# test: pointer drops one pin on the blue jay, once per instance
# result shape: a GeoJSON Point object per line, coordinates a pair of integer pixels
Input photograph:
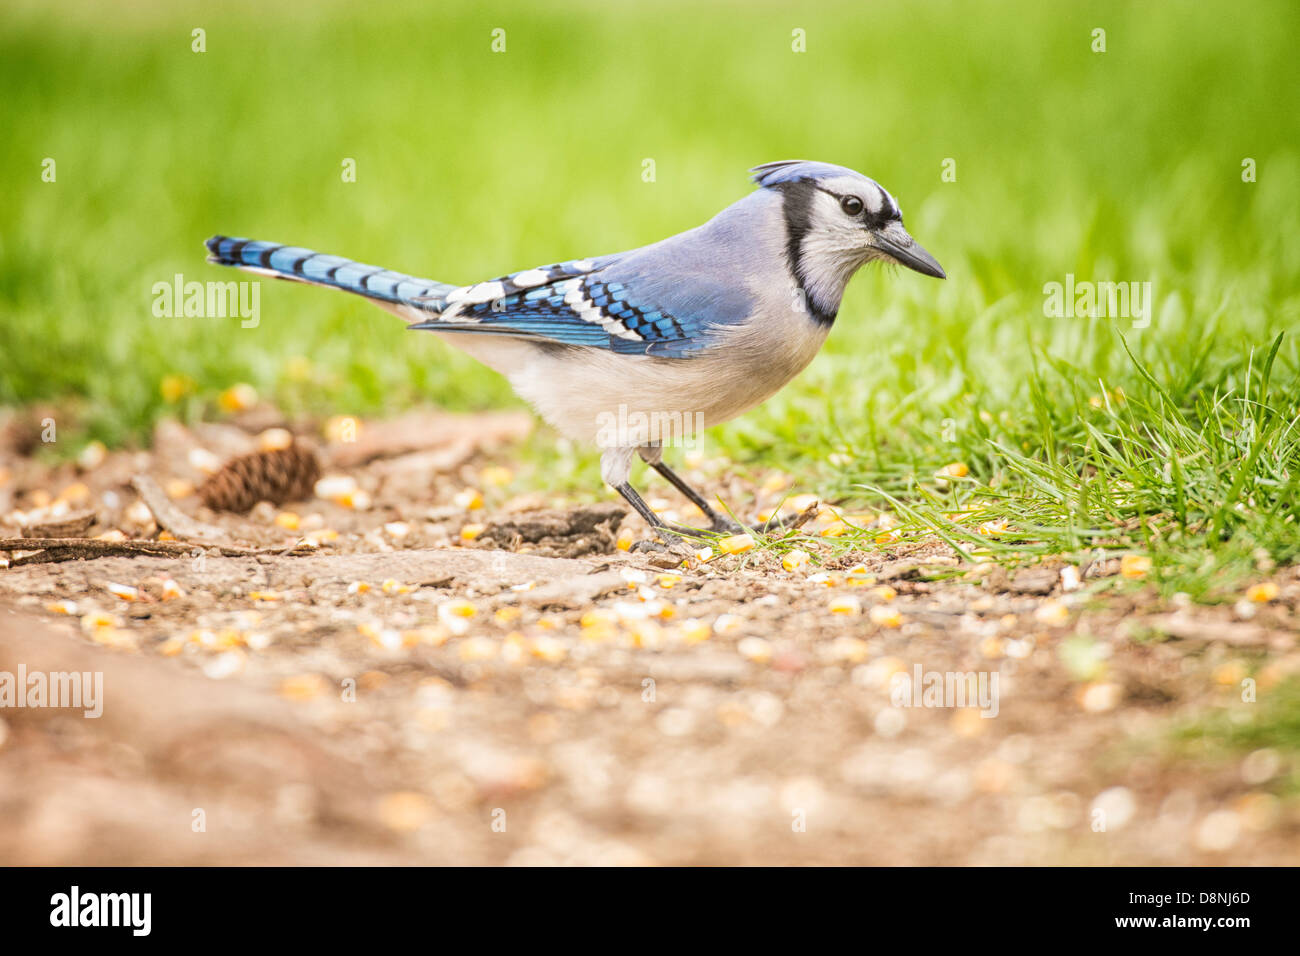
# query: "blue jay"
{"type": "Point", "coordinates": [639, 349]}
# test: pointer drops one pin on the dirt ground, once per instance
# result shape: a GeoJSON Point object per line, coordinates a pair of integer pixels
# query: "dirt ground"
{"type": "Point", "coordinates": [398, 689]}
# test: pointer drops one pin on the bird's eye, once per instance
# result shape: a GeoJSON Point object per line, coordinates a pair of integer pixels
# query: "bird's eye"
{"type": "Point", "coordinates": [851, 205]}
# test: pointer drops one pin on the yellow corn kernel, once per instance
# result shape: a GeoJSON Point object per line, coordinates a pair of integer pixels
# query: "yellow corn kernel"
{"type": "Point", "coordinates": [470, 499]}
{"type": "Point", "coordinates": [549, 649]}
{"type": "Point", "coordinates": [884, 593]}
{"type": "Point", "coordinates": [392, 586]}
{"type": "Point", "coordinates": [171, 590]}
{"type": "Point", "coordinates": [171, 647]}
{"type": "Point", "coordinates": [667, 581]}
{"type": "Point", "coordinates": [358, 587]}
{"type": "Point", "coordinates": [265, 596]}
{"type": "Point", "coordinates": [471, 531]}
{"type": "Point", "coordinates": [477, 649]}
{"type": "Point", "coordinates": [886, 616]}
{"type": "Point", "coordinates": [288, 520]}
{"type": "Point", "coordinates": [694, 630]}
{"type": "Point", "coordinates": [507, 615]}
{"type": "Point", "coordinates": [756, 649]}
{"type": "Point", "coordinates": [796, 560]}
{"type": "Point", "coordinates": [460, 608]}
{"type": "Point", "coordinates": [1052, 613]}
{"type": "Point", "coordinates": [238, 398]}
{"type": "Point", "coordinates": [123, 591]}
{"type": "Point", "coordinates": [737, 544]}
{"type": "Point", "coordinates": [625, 540]}
{"type": "Point", "coordinates": [61, 607]}
{"type": "Point", "coordinates": [496, 476]}
{"type": "Point", "coordinates": [177, 488]}
{"type": "Point", "coordinates": [274, 439]}
{"type": "Point", "coordinates": [175, 387]}
{"type": "Point", "coordinates": [1134, 565]}
{"type": "Point", "coordinates": [846, 604]}
{"type": "Point", "coordinates": [303, 687]}
{"type": "Point", "coordinates": [956, 469]}
{"type": "Point", "coordinates": [1262, 593]}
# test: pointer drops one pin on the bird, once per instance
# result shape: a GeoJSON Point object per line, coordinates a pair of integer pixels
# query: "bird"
{"type": "Point", "coordinates": [641, 350]}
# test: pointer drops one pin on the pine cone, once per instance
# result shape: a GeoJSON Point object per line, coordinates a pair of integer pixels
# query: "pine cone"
{"type": "Point", "coordinates": [286, 474]}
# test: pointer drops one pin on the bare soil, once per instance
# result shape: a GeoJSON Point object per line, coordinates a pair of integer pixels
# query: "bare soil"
{"type": "Point", "coordinates": [403, 694]}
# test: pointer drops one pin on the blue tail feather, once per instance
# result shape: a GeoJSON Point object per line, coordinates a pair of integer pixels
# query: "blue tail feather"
{"type": "Point", "coordinates": [304, 265]}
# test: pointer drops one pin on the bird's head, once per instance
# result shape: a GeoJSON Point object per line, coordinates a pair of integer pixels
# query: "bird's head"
{"type": "Point", "coordinates": [836, 220]}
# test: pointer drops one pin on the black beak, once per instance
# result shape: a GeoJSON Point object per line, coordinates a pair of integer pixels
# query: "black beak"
{"type": "Point", "coordinates": [905, 250]}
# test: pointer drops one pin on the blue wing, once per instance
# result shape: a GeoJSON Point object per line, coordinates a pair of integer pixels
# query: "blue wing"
{"type": "Point", "coordinates": [631, 303]}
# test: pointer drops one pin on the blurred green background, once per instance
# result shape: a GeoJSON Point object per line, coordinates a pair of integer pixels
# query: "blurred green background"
{"type": "Point", "coordinates": [1123, 165]}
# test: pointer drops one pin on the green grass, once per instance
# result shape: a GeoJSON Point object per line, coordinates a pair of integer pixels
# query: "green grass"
{"type": "Point", "coordinates": [1124, 165]}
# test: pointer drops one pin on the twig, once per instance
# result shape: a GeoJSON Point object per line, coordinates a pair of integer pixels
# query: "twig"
{"type": "Point", "coordinates": [168, 516]}
{"type": "Point", "coordinates": [96, 548]}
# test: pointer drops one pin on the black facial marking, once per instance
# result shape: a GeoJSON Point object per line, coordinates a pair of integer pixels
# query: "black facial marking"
{"type": "Point", "coordinates": [797, 201]}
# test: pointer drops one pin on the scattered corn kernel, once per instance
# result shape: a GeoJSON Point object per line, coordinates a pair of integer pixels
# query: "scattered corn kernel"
{"type": "Point", "coordinates": [796, 560]}
{"type": "Point", "coordinates": [265, 596]}
{"type": "Point", "coordinates": [1262, 593]}
{"type": "Point", "coordinates": [62, 607]}
{"type": "Point", "coordinates": [470, 499]}
{"type": "Point", "coordinates": [275, 439]}
{"type": "Point", "coordinates": [303, 687]}
{"type": "Point", "coordinates": [496, 476]}
{"type": "Point", "coordinates": [114, 535]}
{"type": "Point", "coordinates": [886, 616]}
{"type": "Point", "coordinates": [173, 388]}
{"type": "Point", "coordinates": [171, 647]}
{"type": "Point", "coordinates": [704, 555]}
{"type": "Point", "coordinates": [507, 615]}
{"type": "Point", "coordinates": [667, 581]}
{"type": "Point", "coordinates": [726, 624]}
{"type": "Point", "coordinates": [1134, 565]}
{"type": "Point", "coordinates": [123, 591]}
{"type": "Point", "coordinates": [92, 456]}
{"type": "Point", "coordinates": [478, 649]}
{"type": "Point", "coordinates": [288, 520]}
{"type": "Point", "coordinates": [625, 540]}
{"type": "Point", "coordinates": [884, 593]}
{"type": "Point", "coordinates": [693, 630]}
{"type": "Point", "coordinates": [98, 621]}
{"type": "Point", "coordinates": [549, 649]}
{"type": "Point", "coordinates": [471, 531]}
{"type": "Point", "coordinates": [171, 590]}
{"type": "Point", "coordinates": [238, 398]}
{"type": "Point", "coordinates": [846, 604]}
{"type": "Point", "coordinates": [756, 649]}
{"type": "Point", "coordinates": [201, 459]}
{"type": "Point", "coordinates": [1052, 613]}
{"type": "Point", "coordinates": [177, 488]}
{"type": "Point", "coordinates": [392, 586]}
{"type": "Point", "coordinates": [956, 469]}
